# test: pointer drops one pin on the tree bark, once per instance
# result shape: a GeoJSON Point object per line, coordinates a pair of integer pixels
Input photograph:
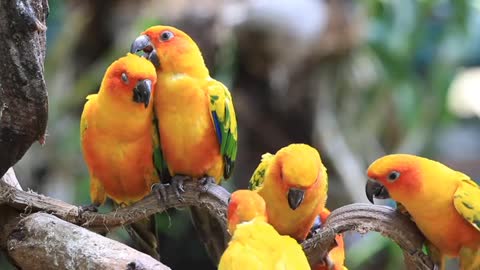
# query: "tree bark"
{"type": "Point", "coordinates": [23, 94]}
{"type": "Point", "coordinates": [43, 241]}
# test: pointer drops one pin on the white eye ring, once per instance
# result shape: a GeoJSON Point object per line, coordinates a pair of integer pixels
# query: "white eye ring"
{"type": "Point", "coordinates": [166, 36]}
{"type": "Point", "coordinates": [393, 176]}
{"type": "Point", "coordinates": [124, 77]}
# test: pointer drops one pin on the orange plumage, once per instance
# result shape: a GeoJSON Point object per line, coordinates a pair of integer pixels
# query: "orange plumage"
{"type": "Point", "coordinates": [197, 126]}
{"type": "Point", "coordinates": [196, 118]}
{"type": "Point", "coordinates": [294, 184]}
{"type": "Point", "coordinates": [444, 203]}
{"type": "Point", "coordinates": [116, 134]}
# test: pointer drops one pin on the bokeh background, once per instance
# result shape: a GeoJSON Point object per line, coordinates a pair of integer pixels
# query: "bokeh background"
{"type": "Point", "coordinates": [356, 79]}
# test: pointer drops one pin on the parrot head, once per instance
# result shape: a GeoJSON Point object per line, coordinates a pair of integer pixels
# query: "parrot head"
{"type": "Point", "coordinates": [395, 176]}
{"type": "Point", "coordinates": [245, 205]}
{"type": "Point", "coordinates": [130, 78]}
{"type": "Point", "coordinates": [170, 50]}
{"type": "Point", "coordinates": [299, 168]}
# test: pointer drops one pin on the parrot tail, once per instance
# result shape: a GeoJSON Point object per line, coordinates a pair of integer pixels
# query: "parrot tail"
{"type": "Point", "coordinates": [210, 232]}
{"type": "Point", "coordinates": [144, 234]}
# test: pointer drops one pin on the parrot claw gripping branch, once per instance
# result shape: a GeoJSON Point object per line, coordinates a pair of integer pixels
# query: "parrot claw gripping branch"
{"type": "Point", "coordinates": [354, 217]}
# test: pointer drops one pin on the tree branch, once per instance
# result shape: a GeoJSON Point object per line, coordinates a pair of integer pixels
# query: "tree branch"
{"type": "Point", "coordinates": [55, 243]}
{"type": "Point", "coordinates": [23, 94]}
{"type": "Point", "coordinates": [355, 217]}
{"type": "Point", "coordinates": [210, 196]}
{"type": "Point", "coordinates": [365, 218]}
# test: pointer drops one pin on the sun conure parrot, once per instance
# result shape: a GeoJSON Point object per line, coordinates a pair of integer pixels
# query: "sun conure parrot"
{"type": "Point", "coordinates": [294, 185]}
{"type": "Point", "coordinates": [196, 120]}
{"type": "Point", "coordinates": [255, 244]}
{"type": "Point", "coordinates": [336, 256]}
{"type": "Point", "coordinates": [444, 203]}
{"type": "Point", "coordinates": [116, 130]}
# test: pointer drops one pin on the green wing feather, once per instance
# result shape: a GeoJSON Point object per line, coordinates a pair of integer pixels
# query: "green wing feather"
{"type": "Point", "coordinates": [158, 158]}
{"type": "Point", "coordinates": [225, 122]}
{"type": "Point", "coordinates": [258, 176]}
{"type": "Point", "coordinates": [467, 202]}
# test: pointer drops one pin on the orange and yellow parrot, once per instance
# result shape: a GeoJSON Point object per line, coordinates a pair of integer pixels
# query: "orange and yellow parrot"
{"type": "Point", "coordinates": [196, 124]}
{"type": "Point", "coordinates": [116, 130]}
{"type": "Point", "coordinates": [294, 185]}
{"type": "Point", "coordinates": [255, 244]}
{"type": "Point", "coordinates": [444, 203]}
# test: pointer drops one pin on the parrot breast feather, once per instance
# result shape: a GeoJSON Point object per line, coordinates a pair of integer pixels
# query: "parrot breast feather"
{"type": "Point", "coordinates": [258, 176]}
{"type": "Point", "coordinates": [467, 202]}
{"type": "Point", "coordinates": [225, 122]}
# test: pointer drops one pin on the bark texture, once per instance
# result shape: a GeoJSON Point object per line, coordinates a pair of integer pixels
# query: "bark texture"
{"type": "Point", "coordinates": [23, 94]}
{"type": "Point", "coordinates": [43, 241]}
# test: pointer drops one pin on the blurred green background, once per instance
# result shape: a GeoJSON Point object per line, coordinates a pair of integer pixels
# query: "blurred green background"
{"type": "Point", "coordinates": [356, 79]}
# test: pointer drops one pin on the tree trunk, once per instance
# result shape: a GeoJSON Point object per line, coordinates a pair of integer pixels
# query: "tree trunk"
{"type": "Point", "coordinates": [23, 94]}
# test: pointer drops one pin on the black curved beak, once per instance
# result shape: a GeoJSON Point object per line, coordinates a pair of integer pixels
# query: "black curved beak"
{"type": "Point", "coordinates": [143, 43]}
{"type": "Point", "coordinates": [142, 92]}
{"type": "Point", "coordinates": [374, 189]}
{"type": "Point", "coordinates": [295, 197]}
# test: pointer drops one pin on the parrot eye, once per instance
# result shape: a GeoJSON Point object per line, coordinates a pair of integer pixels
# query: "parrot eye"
{"type": "Point", "coordinates": [124, 77]}
{"type": "Point", "coordinates": [393, 176]}
{"type": "Point", "coordinates": [229, 199]}
{"type": "Point", "coordinates": [166, 36]}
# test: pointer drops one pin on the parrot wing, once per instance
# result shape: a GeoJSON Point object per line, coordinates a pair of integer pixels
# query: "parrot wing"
{"type": "Point", "coordinates": [258, 176]}
{"type": "Point", "coordinates": [97, 192]}
{"type": "Point", "coordinates": [467, 202]}
{"type": "Point", "coordinates": [86, 110]}
{"type": "Point", "coordinates": [225, 122]}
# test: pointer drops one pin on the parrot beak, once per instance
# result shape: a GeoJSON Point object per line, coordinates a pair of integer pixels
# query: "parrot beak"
{"type": "Point", "coordinates": [374, 189]}
{"type": "Point", "coordinates": [295, 197]}
{"type": "Point", "coordinates": [142, 92]}
{"type": "Point", "coordinates": [143, 43]}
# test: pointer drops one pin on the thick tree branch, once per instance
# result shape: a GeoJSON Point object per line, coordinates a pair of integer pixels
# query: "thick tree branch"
{"type": "Point", "coordinates": [57, 244]}
{"type": "Point", "coordinates": [43, 241]}
{"type": "Point", "coordinates": [23, 94]}
{"type": "Point", "coordinates": [365, 218]}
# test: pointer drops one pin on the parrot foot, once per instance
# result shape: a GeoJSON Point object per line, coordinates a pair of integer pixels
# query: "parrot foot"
{"type": "Point", "coordinates": [177, 183]}
{"type": "Point", "coordinates": [317, 224]}
{"type": "Point", "coordinates": [205, 181]}
{"type": "Point", "coordinates": [88, 208]}
{"type": "Point", "coordinates": [160, 192]}
{"type": "Point", "coordinates": [424, 257]}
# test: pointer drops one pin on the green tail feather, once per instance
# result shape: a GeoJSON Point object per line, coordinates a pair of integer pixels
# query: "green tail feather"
{"type": "Point", "coordinates": [210, 232]}
{"type": "Point", "coordinates": [145, 236]}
